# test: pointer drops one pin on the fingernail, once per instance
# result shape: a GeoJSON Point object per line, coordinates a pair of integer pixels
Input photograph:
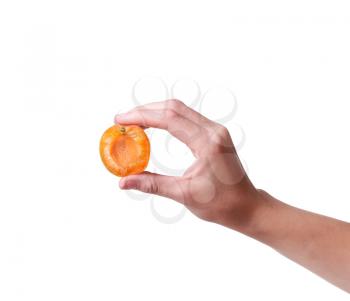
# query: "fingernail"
{"type": "Point", "coordinates": [118, 117]}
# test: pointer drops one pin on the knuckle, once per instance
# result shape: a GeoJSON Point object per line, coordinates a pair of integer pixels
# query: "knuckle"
{"type": "Point", "coordinates": [174, 104]}
{"type": "Point", "coordinates": [216, 148]}
{"type": "Point", "coordinates": [137, 112]}
{"type": "Point", "coordinates": [141, 116]}
{"type": "Point", "coordinates": [152, 187]}
{"type": "Point", "coordinates": [222, 131]}
{"type": "Point", "coordinates": [171, 114]}
{"type": "Point", "coordinates": [219, 137]}
{"type": "Point", "coordinates": [146, 188]}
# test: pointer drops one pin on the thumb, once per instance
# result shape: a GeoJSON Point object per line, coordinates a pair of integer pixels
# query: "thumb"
{"type": "Point", "coordinates": [167, 186]}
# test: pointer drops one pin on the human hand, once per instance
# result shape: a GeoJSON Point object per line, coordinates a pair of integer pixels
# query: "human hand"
{"type": "Point", "coordinates": [215, 187]}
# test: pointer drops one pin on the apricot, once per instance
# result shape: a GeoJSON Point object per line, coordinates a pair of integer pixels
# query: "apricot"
{"type": "Point", "coordinates": [125, 150]}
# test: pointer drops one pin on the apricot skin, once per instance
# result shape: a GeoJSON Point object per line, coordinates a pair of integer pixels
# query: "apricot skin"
{"type": "Point", "coordinates": [125, 150]}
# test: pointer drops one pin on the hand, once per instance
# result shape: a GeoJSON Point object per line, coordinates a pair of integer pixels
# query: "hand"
{"type": "Point", "coordinates": [215, 187]}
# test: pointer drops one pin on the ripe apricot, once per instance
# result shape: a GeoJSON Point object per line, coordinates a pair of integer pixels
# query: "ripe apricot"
{"type": "Point", "coordinates": [125, 150]}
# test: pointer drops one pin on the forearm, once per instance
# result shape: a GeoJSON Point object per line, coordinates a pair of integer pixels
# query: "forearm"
{"type": "Point", "coordinates": [319, 243]}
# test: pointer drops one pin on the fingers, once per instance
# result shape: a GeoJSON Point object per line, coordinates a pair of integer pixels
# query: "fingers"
{"type": "Point", "coordinates": [167, 186]}
{"type": "Point", "coordinates": [158, 115]}
{"type": "Point", "coordinates": [144, 118]}
{"type": "Point", "coordinates": [180, 108]}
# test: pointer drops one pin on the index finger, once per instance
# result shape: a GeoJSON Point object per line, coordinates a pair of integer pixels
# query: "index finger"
{"type": "Point", "coordinates": [179, 107]}
{"type": "Point", "coordinates": [186, 130]}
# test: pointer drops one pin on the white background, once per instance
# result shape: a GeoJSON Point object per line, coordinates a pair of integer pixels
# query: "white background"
{"type": "Point", "coordinates": [66, 67]}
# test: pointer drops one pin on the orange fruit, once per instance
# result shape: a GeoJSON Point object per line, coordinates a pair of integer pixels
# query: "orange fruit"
{"type": "Point", "coordinates": [125, 150]}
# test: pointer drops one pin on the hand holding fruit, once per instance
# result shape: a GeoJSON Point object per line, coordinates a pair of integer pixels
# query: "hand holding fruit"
{"type": "Point", "coordinates": [215, 187]}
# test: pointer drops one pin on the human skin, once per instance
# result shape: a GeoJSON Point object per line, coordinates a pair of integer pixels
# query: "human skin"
{"type": "Point", "coordinates": [217, 189]}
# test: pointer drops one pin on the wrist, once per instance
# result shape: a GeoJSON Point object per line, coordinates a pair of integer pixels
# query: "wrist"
{"type": "Point", "coordinates": [255, 215]}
